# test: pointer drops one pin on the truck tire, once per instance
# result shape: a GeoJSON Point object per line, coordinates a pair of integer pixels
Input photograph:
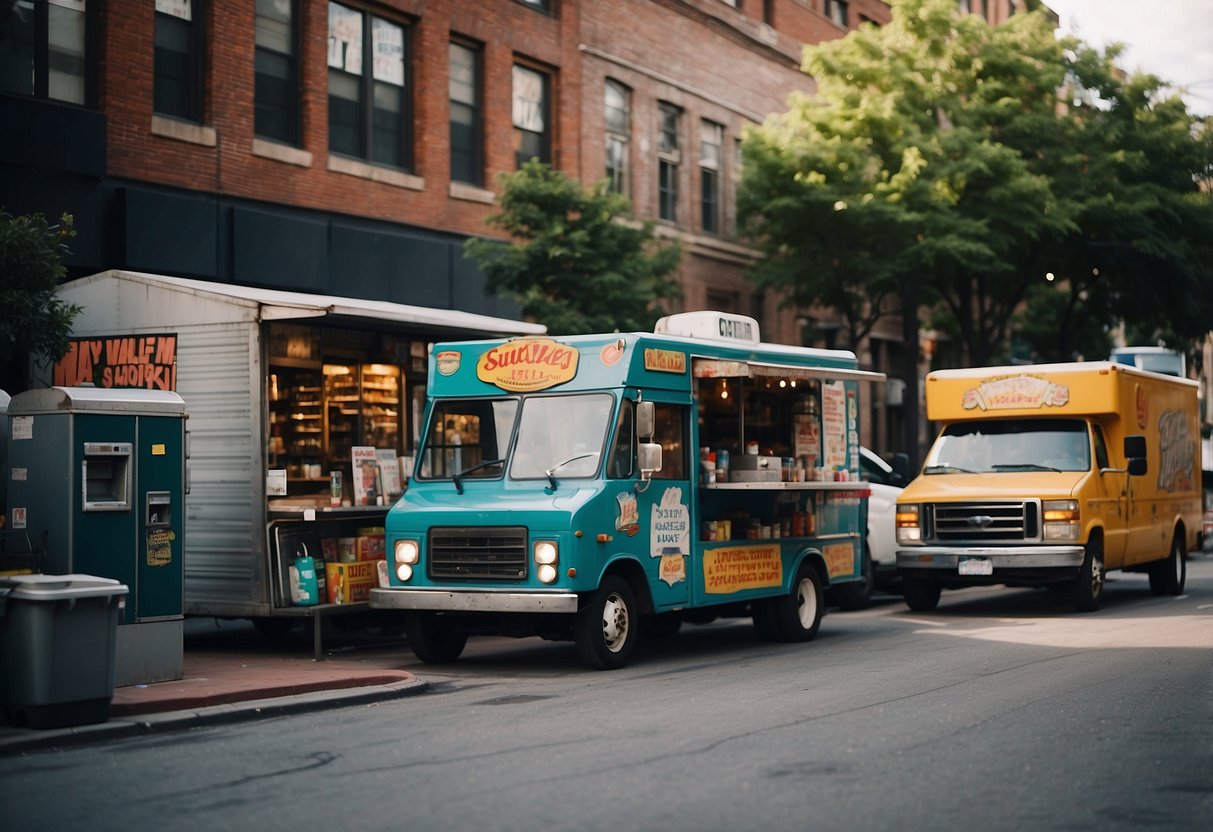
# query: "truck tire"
{"type": "Point", "coordinates": [1088, 586]}
{"type": "Point", "coordinates": [1167, 577]}
{"type": "Point", "coordinates": [432, 638]}
{"type": "Point", "coordinates": [798, 614]}
{"type": "Point", "coordinates": [857, 595]}
{"type": "Point", "coordinates": [920, 593]}
{"type": "Point", "coordinates": [607, 627]}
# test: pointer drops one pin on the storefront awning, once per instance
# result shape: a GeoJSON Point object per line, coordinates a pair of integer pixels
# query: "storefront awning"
{"type": "Point", "coordinates": [277, 304]}
{"type": "Point", "coordinates": [725, 368]}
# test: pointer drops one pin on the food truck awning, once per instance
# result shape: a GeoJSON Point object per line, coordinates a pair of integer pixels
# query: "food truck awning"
{"type": "Point", "coordinates": [727, 368]}
{"type": "Point", "coordinates": [277, 304]}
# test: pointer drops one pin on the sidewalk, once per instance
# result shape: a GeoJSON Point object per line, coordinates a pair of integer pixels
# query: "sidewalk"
{"type": "Point", "coordinates": [233, 673]}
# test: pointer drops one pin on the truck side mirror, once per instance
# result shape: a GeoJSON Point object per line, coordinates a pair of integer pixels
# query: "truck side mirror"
{"type": "Point", "coordinates": [650, 459]}
{"type": "Point", "coordinates": [646, 421]}
{"type": "Point", "coordinates": [1135, 453]}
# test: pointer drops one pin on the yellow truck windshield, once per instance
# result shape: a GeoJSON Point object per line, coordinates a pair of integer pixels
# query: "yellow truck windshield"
{"type": "Point", "coordinates": [1010, 445]}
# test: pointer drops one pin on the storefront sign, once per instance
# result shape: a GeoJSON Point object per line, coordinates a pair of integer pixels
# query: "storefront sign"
{"type": "Point", "coordinates": [146, 361]}
{"type": "Point", "coordinates": [735, 568]}
{"type": "Point", "coordinates": [527, 365]}
{"type": "Point", "coordinates": [665, 361]}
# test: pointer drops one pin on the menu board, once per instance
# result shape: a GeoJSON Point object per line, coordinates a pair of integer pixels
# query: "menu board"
{"type": "Point", "coordinates": [834, 424]}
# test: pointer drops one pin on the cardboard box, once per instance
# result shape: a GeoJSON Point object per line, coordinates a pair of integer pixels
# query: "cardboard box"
{"type": "Point", "coordinates": [350, 583]}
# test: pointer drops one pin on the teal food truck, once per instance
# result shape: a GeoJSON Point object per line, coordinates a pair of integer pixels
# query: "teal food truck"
{"type": "Point", "coordinates": [599, 488]}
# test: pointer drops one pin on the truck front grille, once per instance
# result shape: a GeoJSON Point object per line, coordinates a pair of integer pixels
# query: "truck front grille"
{"type": "Point", "coordinates": [496, 553]}
{"type": "Point", "coordinates": [986, 522]}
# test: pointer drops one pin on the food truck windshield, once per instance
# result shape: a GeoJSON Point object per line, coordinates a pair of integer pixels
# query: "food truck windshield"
{"type": "Point", "coordinates": [531, 437]}
{"type": "Point", "coordinates": [1006, 445]}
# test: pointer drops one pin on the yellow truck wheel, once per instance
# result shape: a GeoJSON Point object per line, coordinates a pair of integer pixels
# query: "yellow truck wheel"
{"type": "Point", "coordinates": [1088, 586]}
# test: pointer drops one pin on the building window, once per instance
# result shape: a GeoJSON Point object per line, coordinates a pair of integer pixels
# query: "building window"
{"type": "Point", "coordinates": [277, 88]}
{"type": "Point", "coordinates": [836, 10]}
{"type": "Point", "coordinates": [43, 49]}
{"type": "Point", "coordinates": [544, 6]}
{"type": "Point", "coordinates": [667, 162]}
{"type": "Point", "coordinates": [532, 116]}
{"type": "Point", "coordinates": [178, 82]}
{"type": "Point", "coordinates": [618, 114]}
{"type": "Point", "coordinates": [711, 139]}
{"type": "Point", "coordinates": [368, 111]}
{"type": "Point", "coordinates": [467, 152]}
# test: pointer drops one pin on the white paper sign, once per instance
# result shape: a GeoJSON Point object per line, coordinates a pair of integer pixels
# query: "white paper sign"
{"type": "Point", "coordinates": [275, 482]}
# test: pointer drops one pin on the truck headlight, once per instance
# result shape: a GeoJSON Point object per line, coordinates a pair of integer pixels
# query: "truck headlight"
{"type": "Point", "coordinates": [1061, 519]}
{"type": "Point", "coordinates": [547, 555]}
{"type": "Point", "coordinates": [909, 529]}
{"type": "Point", "coordinates": [406, 553]}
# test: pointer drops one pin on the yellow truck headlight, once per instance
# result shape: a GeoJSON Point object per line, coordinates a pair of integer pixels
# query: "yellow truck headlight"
{"type": "Point", "coordinates": [547, 555]}
{"type": "Point", "coordinates": [406, 553]}
{"type": "Point", "coordinates": [1061, 519]}
{"type": "Point", "coordinates": [909, 529]}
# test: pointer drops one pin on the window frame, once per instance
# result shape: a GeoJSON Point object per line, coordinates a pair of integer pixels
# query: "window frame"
{"type": "Point", "coordinates": [292, 111]}
{"type": "Point", "coordinates": [476, 155]}
{"type": "Point", "coordinates": [669, 160]}
{"type": "Point", "coordinates": [520, 132]}
{"type": "Point", "coordinates": [618, 180]}
{"type": "Point", "coordinates": [366, 82]}
{"type": "Point", "coordinates": [711, 172]}
{"type": "Point", "coordinates": [41, 63]}
{"type": "Point", "coordinates": [838, 11]}
{"type": "Point", "coordinates": [195, 104]}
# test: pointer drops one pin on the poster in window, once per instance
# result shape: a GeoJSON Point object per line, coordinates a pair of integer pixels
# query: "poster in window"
{"type": "Point", "coordinates": [528, 100]}
{"type": "Point", "coordinates": [345, 39]}
{"type": "Point", "coordinates": [834, 423]}
{"type": "Point", "coordinates": [389, 473]}
{"type": "Point", "coordinates": [387, 45]}
{"type": "Point", "coordinates": [365, 475]}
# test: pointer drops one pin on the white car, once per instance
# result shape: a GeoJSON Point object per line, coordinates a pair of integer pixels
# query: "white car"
{"type": "Point", "coordinates": [880, 555]}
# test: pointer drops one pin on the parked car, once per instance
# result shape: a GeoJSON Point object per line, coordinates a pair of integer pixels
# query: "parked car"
{"type": "Point", "coordinates": [880, 554]}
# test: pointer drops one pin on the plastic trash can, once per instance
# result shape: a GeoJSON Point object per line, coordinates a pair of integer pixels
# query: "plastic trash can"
{"type": "Point", "coordinates": [57, 648]}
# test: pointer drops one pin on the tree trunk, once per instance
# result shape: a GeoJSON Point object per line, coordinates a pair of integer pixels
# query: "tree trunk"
{"type": "Point", "coordinates": [909, 330]}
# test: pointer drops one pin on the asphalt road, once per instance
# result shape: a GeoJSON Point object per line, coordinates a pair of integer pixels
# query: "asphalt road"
{"type": "Point", "coordinates": [1002, 710]}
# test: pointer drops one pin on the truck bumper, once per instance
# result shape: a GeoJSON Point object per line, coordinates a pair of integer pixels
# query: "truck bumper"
{"type": "Point", "coordinates": [450, 600]}
{"type": "Point", "coordinates": [948, 558]}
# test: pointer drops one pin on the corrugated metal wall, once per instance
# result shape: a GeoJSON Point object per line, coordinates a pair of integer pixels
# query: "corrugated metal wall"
{"type": "Point", "coordinates": [219, 377]}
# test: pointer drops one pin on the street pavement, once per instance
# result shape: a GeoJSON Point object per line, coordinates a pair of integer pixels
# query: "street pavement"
{"type": "Point", "coordinates": [232, 673]}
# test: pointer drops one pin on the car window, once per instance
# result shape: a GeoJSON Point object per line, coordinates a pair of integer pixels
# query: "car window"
{"type": "Point", "coordinates": [870, 471]}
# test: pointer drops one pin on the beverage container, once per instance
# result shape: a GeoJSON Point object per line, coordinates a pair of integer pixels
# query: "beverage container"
{"type": "Point", "coordinates": [334, 488]}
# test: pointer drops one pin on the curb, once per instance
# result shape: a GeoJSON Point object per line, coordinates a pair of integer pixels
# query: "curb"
{"type": "Point", "coordinates": [22, 741]}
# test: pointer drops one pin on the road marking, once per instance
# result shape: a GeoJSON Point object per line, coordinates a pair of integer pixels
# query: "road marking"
{"type": "Point", "coordinates": [926, 621]}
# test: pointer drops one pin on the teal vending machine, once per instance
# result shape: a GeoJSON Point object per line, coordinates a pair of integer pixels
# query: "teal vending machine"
{"type": "Point", "coordinates": [99, 475]}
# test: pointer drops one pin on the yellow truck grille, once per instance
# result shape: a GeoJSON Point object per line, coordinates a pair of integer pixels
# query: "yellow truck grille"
{"type": "Point", "coordinates": [985, 522]}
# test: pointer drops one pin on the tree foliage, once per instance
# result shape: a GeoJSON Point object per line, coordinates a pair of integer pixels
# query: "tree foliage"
{"type": "Point", "coordinates": [576, 263]}
{"type": "Point", "coordinates": [35, 320]}
{"type": "Point", "coordinates": [958, 163]}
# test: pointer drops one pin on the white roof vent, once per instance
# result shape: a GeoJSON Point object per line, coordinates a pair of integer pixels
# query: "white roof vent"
{"type": "Point", "coordinates": [714, 326]}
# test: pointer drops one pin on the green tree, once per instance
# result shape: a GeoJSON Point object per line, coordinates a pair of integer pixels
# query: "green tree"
{"type": "Point", "coordinates": [957, 163]}
{"type": "Point", "coordinates": [36, 322]}
{"type": "Point", "coordinates": [576, 262]}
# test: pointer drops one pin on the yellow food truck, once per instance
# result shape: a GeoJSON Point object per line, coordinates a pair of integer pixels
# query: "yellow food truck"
{"type": "Point", "coordinates": [1050, 475]}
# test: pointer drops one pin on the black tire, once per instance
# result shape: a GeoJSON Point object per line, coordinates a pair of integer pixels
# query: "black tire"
{"type": "Point", "coordinates": [432, 639]}
{"type": "Point", "coordinates": [763, 614]}
{"type": "Point", "coordinates": [1088, 586]}
{"type": "Point", "coordinates": [798, 614]}
{"type": "Point", "coordinates": [857, 595]}
{"type": "Point", "coordinates": [606, 628]}
{"type": "Point", "coordinates": [920, 593]}
{"type": "Point", "coordinates": [1167, 577]}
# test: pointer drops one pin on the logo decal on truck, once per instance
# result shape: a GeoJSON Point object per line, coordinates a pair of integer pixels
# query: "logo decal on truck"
{"type": "Point", "coordinates": [1176, 470]}
{"type": "Point", "coordinates": [527, 365]}
{"type": "Point", "coordinates": [670, 530]}
{"type": "Point", "coordinates": [1015, 392]}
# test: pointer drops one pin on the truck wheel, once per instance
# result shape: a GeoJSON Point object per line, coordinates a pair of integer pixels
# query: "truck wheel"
{"type": "Point", "coordinates": [1088, 586]}
{"type": "Point", "coordinates": [606, 627]}
{"type": "Point", "coordinates": [921, 594]}
{"type": "Point", "coordinates": [857, 595]}
{"type": "Point", "coordinates": [798, 614]}
{"type": "Point", "coordinates": [432, 638]}
{"type": "Point", "coordinates": [1167, 577]}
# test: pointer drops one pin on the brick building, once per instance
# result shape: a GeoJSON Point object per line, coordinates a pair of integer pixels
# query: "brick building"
{"type": "Point", "coordinates": [253, 142]}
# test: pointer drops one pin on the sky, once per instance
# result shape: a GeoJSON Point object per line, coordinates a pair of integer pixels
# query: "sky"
{"type": "Point", "coordinates": [1172, 39]}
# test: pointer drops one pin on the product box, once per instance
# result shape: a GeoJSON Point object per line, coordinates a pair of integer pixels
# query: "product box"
{"type": "Point", "coordinates": [370, 547]}
{"type": "Point", "coordinates": [753, 468]}
{"type": "Point", "coordinates": [350, 583]}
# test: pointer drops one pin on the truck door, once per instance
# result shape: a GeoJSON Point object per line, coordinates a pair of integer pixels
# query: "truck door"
{"type": "Point", "coordinates": [1110, 501]}
{"type": "Point", "coordinates": [654, 522]}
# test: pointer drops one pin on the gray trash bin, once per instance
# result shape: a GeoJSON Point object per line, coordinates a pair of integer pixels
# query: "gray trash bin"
{"type": "Point", "coordinates": [57, 647]}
